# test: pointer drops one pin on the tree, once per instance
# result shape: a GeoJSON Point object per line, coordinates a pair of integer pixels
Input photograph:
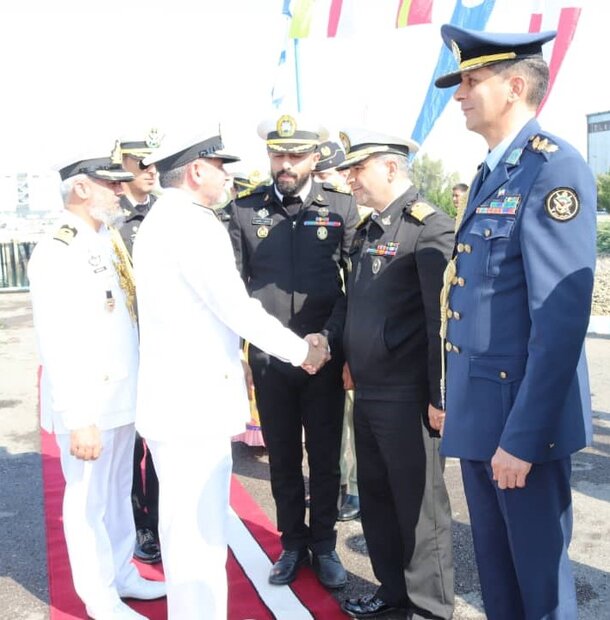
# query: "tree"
{"type": "Point", "coordinates": [430, 179]}
{"type": "Point", "coordinates": [603, 192]}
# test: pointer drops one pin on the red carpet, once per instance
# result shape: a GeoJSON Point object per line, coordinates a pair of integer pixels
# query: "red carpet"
{"type": "Point", "coordinates": [253, 541]}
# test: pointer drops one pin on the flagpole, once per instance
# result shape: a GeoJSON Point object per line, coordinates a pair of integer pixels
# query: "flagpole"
{"type": "Point", "coordinates": [296, 74]}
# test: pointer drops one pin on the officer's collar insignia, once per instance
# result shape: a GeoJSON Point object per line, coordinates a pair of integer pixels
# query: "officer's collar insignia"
{"type": "Point", "coordinates": [319, 198]}
{"type": "Point", "coordinates": [116, 157]}
{"type": "Point", "coordinates": [65, 234]}
{"type": "Point", "coordinates": [386, 220]}
{"type": "Point", "coordinates": [153, 140]}
{"type": "Point", "coordinates": [345, 141]}
{"type": "Point", "coordinates": [455, 50]}
{"type": "Point", "coordinates": [542, 144]}
{"type": "Point", "coordinates": [562, 204]}
{"type": "Point", "coordinates": [286, 126]}
{"type": "Point", "coordinates": [266, 198]}
{"type": "Point", "coordinates": [501, 192]}
{"type": "Point", "coordinates": [514, 157]}
{"type": "Point", "coordinates": [262, 212]}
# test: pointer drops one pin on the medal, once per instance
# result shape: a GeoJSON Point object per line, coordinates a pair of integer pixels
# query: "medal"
{"type": "Point", "coordinates": [376, 266]}
{"type": "Point", "coordinates": [322, 232]}
{"type": "Point", "coordinates": [262, 232]}
{"type": "Point", "coordinates": [109, 301]}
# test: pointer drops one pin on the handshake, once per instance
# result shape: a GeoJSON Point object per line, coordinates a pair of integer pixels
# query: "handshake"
{"type": "Point", "coordinates": [318, 354]}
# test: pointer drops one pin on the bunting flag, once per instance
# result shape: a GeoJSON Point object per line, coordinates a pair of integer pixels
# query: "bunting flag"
{"type": "Point", "coordinates": [286, 71]}
{"type": "Point", "coordinates": [413, 12]}
{"type": "Point", "coordinates": [436, 99]}
{"type": "Point", "coordinates": [568, 20]}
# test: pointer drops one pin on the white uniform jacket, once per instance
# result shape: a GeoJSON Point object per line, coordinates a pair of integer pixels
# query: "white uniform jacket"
{"type": "Point", "coordinates": [193, 308]}
{"type": "Point", "coordinates": [88, 351]}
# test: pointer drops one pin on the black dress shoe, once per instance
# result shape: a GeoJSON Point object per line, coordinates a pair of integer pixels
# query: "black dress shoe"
{"type": "Point", "coordinates": [368, 606]}
{"type": "Point", "coordinates": [285, 570]}
{"type": "Point", "coordinates": [350, 509]}
{"type": "Point", "coordinates": [147, 548]}
{"type": "Point", "coordinates": [329, 569]}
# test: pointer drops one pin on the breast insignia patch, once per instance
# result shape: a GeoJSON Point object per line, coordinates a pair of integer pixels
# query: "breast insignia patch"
{"type": "Point", "coordinates": [562, 204]}
{"type": "Point", "coordinates": [65, 234]}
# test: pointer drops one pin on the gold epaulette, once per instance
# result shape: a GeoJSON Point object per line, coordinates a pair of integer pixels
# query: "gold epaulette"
{"type": "Point", "coordinates": [336, 187]}
{"type": "Point", "coordinates": [65, 234]}
{"type": "Point", "coordinates": [420, 211]}
{"type": "Point", "coordinates": [253, 190]}
{"type": "Point", "coordinates": [543, 144]}
{"type": "Point", "coordinates": [364, 219]}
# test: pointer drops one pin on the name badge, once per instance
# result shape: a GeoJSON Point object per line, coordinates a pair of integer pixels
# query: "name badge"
{"type": "Point", "coordinates": [262, 221]}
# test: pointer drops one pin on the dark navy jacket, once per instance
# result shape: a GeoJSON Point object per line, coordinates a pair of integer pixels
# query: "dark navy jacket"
{"type": "Point", "coordinates": [521, 300]}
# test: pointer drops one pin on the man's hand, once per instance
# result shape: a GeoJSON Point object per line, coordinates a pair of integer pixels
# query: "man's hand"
{"type": "Point", "coordinates": [436, 418]}
{"type": "Point", "coordinates": [318, 353]}
{"type": "Point", "coordinates": [86, 443]}
{"type": "Point", "coordinates": [248, 378]}
{"type": "Point", "coordinates": [509, 471]}
{"type": "Point", "coordinates": [348, 382]}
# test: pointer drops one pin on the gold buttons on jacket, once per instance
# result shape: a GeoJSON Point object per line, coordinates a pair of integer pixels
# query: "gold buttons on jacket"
{"type": "Point", "coordinates": [503, 374]}
{"type": "Point", "coordinates": [464, 247]}
{"type": "Point", "coordinates": [460, 247]}
{"type": "Point", "coordinates": [461, 281]}
{"type": "Point", "coordinates": [449, 347]}
{"type": "Point", "coordinates": [487, 232]}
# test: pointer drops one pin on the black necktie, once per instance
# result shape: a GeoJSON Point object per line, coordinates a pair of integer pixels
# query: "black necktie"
{"type": "Point", "coordinates": [142, 207]}
{"type": "Point", "coordinates": [292, 204]}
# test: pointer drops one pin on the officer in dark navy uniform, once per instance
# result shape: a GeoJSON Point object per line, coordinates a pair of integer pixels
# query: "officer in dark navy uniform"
{"type": "Point", "coordinates": [393, 352]}
{"type": "Point", "coordinates": [138, 197]}
{"type": "Point", "coordinates": [517, 300]}
{"type": "Point", "coordinates": [136, 201]}
{"type": "Point", "coordinates": [291, 240]}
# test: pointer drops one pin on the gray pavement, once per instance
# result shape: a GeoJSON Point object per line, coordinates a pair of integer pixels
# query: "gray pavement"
{"type": "Point", "coordinates": [23, 575]}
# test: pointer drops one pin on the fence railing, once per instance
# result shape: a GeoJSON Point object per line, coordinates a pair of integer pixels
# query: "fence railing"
{"type": "Point", "coordinates": [14, 257]}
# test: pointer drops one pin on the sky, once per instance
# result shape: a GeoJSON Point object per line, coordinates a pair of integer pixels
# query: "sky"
{"type": "Point", "coordinates": [77, 75]}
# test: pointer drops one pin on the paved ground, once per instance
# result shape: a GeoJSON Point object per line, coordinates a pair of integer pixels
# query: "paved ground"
{"type": "Point", "coordinates": [23, 578]}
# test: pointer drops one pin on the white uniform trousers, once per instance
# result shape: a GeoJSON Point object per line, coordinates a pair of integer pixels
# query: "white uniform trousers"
{"type": "Point", "coordinates": [98, 517]}
{"type": "Point", "coordinates": [194, 479]}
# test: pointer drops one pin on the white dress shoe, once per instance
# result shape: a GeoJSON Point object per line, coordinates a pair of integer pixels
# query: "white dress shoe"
{"type": "Point", "coordinates": [119, 611]}
{"type": "Point", "coordinates": [142, 589]}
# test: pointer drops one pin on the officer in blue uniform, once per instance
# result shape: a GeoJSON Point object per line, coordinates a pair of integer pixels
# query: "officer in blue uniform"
{"type": "Point", "coordinates": [517, 300]}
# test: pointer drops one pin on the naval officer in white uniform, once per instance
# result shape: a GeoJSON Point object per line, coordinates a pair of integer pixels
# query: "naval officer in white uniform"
{"type": "Point", "coordinates": [88, 345]}
{"type": "Point", "coordinates": [193, 308]}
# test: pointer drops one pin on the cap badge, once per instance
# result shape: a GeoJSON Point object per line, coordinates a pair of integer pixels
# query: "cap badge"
{"type": "Point", "coordinates": [153, 140]}
{"type": "Point", "coordinates": [325, 151]}
{"type": "Point", "coordinates": [286, 126]}
{"type": "Point", "coordinates": [455, 50]}
{"type": "Point", "coordinates": [116, 157]}
{"type": "Point", "coordinates": [562, 204]}
{"type": "Point", "coordinates": [347, 145]}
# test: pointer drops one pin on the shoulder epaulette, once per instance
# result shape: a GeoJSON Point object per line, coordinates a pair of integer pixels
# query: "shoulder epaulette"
{"type": "Point", "coordinates": [342, 189]}
{"type": "Point", "coordinates": [420, 211]}
{"type": "Point", "coordinates": [257, 189]}
{"type": "Point", "coordinates": [65, 234]}
{"type": "Point", "coordinates": [543, 144]}
{"type": "Point", "coordinates": [364, 219]}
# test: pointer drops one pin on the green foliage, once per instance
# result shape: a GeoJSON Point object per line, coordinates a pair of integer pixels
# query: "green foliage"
{"type": "Point", "coordinates": [603, 192]}
{"type": "Point", "coordinates": [430, 179]}
{"type": "Point", "coordinates": [603, 238]}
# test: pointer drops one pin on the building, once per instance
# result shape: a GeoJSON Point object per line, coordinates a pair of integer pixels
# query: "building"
{"type": "Point", "coordinates": [598, 142]}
